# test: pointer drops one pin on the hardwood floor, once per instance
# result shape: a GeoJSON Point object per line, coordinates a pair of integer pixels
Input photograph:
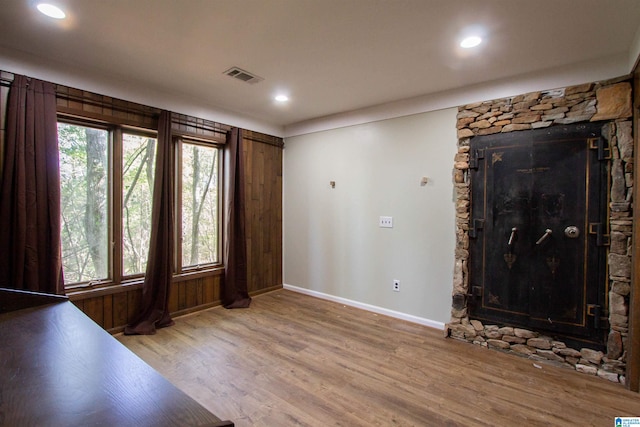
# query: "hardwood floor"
{"type": "Point", "coordinates": [292, 359]}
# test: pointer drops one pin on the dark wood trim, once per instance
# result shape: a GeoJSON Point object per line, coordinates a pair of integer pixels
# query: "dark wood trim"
{"type": "Point", "coordinates": [184, 125]}
{"type": "Point", "coordinates": [263, 138]}
{"type": "Point", "coordinates": [73, 113]}
{"type": "Point", "coordinates": [633, 343]}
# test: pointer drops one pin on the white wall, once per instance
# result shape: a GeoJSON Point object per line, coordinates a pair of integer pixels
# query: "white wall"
{"type": "Point", "coordinates": [332, 242]}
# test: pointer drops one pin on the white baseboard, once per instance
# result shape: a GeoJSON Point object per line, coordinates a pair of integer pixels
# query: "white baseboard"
{"type": "Point", "coordinates": [368, 307]}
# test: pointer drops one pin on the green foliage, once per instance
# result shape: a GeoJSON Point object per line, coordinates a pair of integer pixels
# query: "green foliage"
{"type": "Point", "coordinates": [86, 202]}
{"type": "Point", "coordinates": [138, 155]}
{"type": "Point", "coordinates": [199, 205]}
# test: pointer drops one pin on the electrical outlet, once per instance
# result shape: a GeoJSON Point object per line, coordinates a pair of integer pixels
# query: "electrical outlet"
{"type": "Point", "coordinates": [396, 285]}
{"type": "Point", "coordinates": [386, 222]}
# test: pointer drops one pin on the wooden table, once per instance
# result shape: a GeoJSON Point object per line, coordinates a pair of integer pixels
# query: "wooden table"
{"type": "Point", "coordinates": [58, 368]}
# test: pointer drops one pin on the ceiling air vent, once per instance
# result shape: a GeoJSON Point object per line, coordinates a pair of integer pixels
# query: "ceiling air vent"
{"type": "Point", "coordinates": [245, 76]}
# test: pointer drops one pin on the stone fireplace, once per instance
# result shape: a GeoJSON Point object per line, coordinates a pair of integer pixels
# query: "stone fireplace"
{"type": "Point", "coordinates": [604, 106]}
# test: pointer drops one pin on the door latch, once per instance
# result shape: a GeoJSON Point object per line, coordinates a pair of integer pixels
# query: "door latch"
{"type": "Point", "coordinates": [478, 224]}
{"type": "Point", "coordinates": [602, 238]}
{"type": "Point", "coordinates": [595, 311]}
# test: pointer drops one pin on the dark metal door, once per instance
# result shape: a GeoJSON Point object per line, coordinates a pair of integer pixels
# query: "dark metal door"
{"type": "Point", "coordinates": [538, 203]}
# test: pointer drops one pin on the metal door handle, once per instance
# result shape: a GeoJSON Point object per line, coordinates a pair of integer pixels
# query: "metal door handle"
{"type": "Point", "coordinates": [512, 236]}
{"type": "Point", "coordinates": [545, 236]}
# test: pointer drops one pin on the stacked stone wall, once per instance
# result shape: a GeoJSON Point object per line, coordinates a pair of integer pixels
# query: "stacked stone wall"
{"type": "Point", "coordinates": [608, 102]}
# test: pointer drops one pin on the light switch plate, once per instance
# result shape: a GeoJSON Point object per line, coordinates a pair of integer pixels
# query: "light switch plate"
{"type": "Point", "coordinates": [386, 222]}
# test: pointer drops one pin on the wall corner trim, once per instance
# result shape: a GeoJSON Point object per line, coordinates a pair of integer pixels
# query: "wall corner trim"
{"type": "Point", "coordinates": [368, 307]}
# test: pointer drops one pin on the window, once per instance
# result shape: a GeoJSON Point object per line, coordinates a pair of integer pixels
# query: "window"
{"type": "Point", "coordinates": [84, 189]}
{"type": "Point", "coordinates": [199, 204]}
{"type": "Point", "coordinates": [107, 176]}
{"type": "Point", "coordinates": [98, 245]}
{"type": "Point", "coordinates": [138, 165]}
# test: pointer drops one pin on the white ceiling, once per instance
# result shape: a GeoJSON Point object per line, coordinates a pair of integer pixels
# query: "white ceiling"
{"type": "Point", "coordinates": [330, 56]}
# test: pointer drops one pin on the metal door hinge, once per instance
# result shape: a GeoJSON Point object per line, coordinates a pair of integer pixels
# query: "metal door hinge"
{"type": "Point", "coordinates": [476, 292]}
{"type": "Point", "coordinates": [600, 144]}
{"type": "Point", "coordinates": [475, 157]}
{"type": "Point", "coordinates": [477, 224]}
{"type": "Point", "coordinates": [599, 229]}
{"type": "Point", "coordinates": [599, 321]}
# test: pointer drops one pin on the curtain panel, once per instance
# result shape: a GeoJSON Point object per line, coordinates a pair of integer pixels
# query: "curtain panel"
{"type": "Point", "coordinates": [157, 280]}
{"type": "Point", "coordinates": [30, 191]}
{"type": "Point", "coordinates": [234, 291]}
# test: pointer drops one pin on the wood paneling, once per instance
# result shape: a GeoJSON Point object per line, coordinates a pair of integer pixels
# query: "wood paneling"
{"type": "Point", "coordinates": [263, 193]}
{"type": "Point", "coordinates": [292, 359]}
{"type": "Point", "coordinates": [113, 311]}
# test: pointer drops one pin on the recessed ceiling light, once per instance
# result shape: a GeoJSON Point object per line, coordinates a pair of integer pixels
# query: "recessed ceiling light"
{"type": "Point", "coordinates": [51, 11]}
{"type": "Point", "coordinates": [470, 42]}
{"type": "Point", "coordinates": [281, 98]}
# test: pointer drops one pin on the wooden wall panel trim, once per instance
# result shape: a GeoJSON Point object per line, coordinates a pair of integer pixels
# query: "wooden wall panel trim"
{"type": "Point", "coordinates": [120, 310]}
{"type": "Point", "coordinates": [264, 214]}
{"type": "Point", "coordinates": [107, 312]}
{"type": "Point", "coordinates": [94, 308]}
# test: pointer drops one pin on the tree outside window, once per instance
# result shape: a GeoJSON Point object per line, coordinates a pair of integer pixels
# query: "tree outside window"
{"type": "Point", "coordinates": [107, 176]}
{"type": "Point", "coordinates": [199, 201]}
{"type": "Point", "coordinates": [138, 158]}
{"type": "Point", "coordinates": [84, 168]}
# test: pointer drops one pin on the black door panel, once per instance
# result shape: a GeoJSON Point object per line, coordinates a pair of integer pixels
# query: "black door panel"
{"type": "Point", "coordinates": [537, 193]}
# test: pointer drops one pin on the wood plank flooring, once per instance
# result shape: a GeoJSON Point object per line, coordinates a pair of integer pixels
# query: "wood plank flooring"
{"type": "Point", "coordinates": [295, 360]}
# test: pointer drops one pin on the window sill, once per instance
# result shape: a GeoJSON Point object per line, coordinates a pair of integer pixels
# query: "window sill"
{"type": "Point", "coordinates": [215, 270]}
{"type": "Point", "coordinates": [80, 292]}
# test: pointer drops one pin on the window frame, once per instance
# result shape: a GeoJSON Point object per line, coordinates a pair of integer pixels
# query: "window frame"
{"type": "Point", "coordinates": [115, 221]}
{"type": "Point", "coordinates": [218, 144]}
{"type": "Point", "coordinates": [119, 248]}
{"type": "Point", "coordinates": [74, 121]}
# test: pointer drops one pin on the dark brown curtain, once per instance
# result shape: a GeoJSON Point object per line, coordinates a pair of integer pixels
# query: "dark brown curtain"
{"type": "Point", "coordinates": [30, 251]}
{"type": "Point", "coordinates": [234, 292]}
{"type": "Point", "coordinates": [157, 280]}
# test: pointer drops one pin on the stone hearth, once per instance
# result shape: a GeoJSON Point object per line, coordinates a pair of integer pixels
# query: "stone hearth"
{"type": "Point", "coordinates": [608, 102]}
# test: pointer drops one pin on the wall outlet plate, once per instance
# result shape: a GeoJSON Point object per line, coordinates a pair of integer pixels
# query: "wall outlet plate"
{"type": "Point", "coordinates": [396, 285]}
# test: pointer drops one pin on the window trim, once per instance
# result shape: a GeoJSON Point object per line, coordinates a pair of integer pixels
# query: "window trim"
{"type": "Point", "coordinates": [218, 143]}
